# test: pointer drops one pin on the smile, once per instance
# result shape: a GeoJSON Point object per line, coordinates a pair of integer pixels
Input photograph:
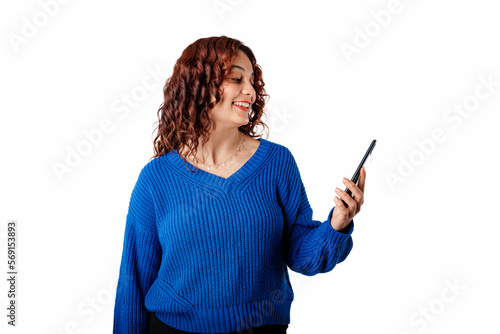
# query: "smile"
{"type": "Point", "coordinates": [242, 105]}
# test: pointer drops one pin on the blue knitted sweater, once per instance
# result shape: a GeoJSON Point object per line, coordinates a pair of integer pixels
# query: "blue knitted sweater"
{"type": "Point", "coordinates": [209, 254]}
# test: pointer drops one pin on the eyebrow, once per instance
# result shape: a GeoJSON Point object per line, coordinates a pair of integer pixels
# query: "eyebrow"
{"type": "Point", "coordinates": [241, 68]}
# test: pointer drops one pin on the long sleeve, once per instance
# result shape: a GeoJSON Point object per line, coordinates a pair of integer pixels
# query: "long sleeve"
{"type": "Point", "coordinates": [311, 246]}
{"type": "Point", "coordinates": [140, 262]}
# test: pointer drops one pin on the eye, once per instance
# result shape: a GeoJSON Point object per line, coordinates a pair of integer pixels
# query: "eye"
{"type": "Point", "coordinates": [238, 80]}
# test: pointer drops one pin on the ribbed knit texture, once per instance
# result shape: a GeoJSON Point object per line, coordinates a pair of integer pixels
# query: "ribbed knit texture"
{"type": "Point", "coordinates": [210, 255]}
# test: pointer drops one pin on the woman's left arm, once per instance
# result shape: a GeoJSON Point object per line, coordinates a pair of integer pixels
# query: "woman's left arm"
{"type": "Point", "coordinates": [310, 246]}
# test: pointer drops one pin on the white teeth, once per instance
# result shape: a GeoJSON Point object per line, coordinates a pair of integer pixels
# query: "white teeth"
{"type": "Point", "coordinates": [242, 104]}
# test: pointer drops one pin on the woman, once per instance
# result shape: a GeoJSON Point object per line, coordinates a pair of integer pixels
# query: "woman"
{"type": "Point", "coordinates": [216, 216]}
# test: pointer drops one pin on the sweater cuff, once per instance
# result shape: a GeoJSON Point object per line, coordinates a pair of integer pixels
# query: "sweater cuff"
{"type": "Point", "coordinates": [346, 231]}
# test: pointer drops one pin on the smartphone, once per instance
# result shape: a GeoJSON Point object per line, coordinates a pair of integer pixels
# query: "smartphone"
{"type": "Point", "coordinates": [355, 177]}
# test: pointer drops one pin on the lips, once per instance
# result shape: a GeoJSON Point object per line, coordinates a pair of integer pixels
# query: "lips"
{"type": "Point", "coordinates": [242, 107]}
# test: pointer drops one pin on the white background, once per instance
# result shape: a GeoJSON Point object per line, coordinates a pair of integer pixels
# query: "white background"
{"type": "Point", "coordinates": [436, 223]}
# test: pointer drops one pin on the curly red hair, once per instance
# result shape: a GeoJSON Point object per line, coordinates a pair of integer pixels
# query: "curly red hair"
{"type": "Point", "coordinates": [198, 74]}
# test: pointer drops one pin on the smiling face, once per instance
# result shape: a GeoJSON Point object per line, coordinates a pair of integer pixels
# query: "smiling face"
{"type": "Point", "coordinates": [238, 95]}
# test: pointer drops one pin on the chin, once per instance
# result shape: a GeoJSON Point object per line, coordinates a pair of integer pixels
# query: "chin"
{"type": "Point", "coordinates": [244, 123]}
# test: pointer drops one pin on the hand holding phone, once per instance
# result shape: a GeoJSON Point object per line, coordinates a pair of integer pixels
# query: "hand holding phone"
{"type": "Point", "coordinates": [355, 177]}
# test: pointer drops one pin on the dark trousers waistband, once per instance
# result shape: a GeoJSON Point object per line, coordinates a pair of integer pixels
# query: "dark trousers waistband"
{"type": "Point", "coordinates": [156, 326]}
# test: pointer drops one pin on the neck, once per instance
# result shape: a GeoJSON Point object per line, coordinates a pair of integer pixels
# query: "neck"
{"type": "Point", "coordinates": [221, 145]}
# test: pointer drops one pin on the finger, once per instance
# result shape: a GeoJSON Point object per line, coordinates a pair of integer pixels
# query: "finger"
{"type": "Point", "coordinates": [345, 213]}
{"type": "Point", "coordinates": [340, 207]}
{"type": "Point", "coordinates": [362, 178]}
{"type": "Point", "coordinates": [349, 184]}
{"type": "Point", "coordinates": [352, 204]}
{"type": "Point", "coordinates": [357, 194]}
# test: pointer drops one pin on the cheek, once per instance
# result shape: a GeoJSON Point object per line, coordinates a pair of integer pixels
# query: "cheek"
{"type": "Point", "coordinates": [231, 92]}
{"type": "Point", "coordinates": [228, 95]}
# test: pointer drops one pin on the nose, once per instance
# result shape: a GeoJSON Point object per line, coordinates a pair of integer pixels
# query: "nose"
{"type": "Point", "coordinates": [249, 91]}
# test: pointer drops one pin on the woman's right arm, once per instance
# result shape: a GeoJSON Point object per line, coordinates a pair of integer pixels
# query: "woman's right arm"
{"type": "Point", "coordinates": [140, 262]}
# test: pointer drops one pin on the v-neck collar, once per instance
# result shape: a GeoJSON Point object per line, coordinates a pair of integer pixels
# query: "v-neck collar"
{"type": "Point", "coordinates": [206, 177]}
